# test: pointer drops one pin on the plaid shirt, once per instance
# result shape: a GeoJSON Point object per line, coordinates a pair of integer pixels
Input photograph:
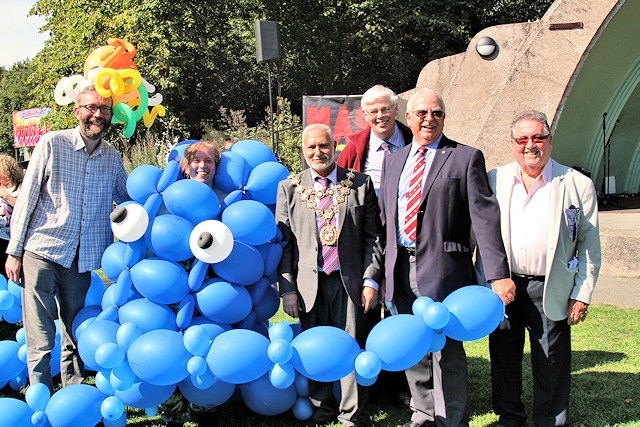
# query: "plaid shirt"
{"type": "Point", "coordinates": [66, 199]}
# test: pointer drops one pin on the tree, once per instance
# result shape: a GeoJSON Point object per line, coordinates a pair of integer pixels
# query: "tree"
{"type": "Point", "coordinates": [201, 55]}
{"type": "Point", "coordinates": [15, 88]}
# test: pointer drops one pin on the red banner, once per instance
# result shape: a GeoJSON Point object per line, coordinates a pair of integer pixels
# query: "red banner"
{"type": "Point", "coordinates": [342, 113]}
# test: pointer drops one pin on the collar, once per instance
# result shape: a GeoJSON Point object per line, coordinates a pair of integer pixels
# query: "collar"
{"type": "Point", "coordinates": [333, 176]}
{"type": "Point", "coordinates": [431, 146]}
{"type": "Point", "coordinates": [79, 144]}
{"type": "Point", "coordinates": [395, 139]}
{"type": "Point", "coordinates": [547, 173]}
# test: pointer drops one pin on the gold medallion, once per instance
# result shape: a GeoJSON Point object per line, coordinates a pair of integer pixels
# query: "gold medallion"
{"type": "Point", "coordinates": [328, 235]}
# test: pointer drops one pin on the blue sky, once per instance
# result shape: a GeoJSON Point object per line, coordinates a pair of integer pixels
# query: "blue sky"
{"type": "Point", "coordinates": [19, 37]}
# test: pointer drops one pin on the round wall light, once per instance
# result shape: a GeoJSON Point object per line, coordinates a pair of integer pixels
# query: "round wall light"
{"type": "Point", "coordinates": [486, 46]}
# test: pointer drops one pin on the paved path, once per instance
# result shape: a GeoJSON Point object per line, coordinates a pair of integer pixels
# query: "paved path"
{"type": "Point", "coordinates": [618, 291]}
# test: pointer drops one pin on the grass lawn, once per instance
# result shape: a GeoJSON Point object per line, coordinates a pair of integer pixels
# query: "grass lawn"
{"type": "Point", "coordinates": [605, 380]}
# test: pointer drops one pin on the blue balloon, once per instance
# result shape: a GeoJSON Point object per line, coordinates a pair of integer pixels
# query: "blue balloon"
{"type": "Point", "coordinates": [112, 408]}
{"type": "Point", "coordinates": [197, 341]}
{"type": "Point", "coordinates": [113, 260]}
{"type": "Point", "coordinates": [232, 172]}
{"type": "Point", "coordinates": [231, 198]}
{"type": "Point", "coordinates": [223, 302]}
{"type": "Point", "coordinates": [37, 396]}
{"type": "Point", "coordinates": [142, 182]}
{"type": "Point", "coordinates": [16, 290]}
{"type": "Point", "coordinates": [118, 422]}
{"type": "Point", "coordinates": [215, 395]}
{"type": "Point", "coordinates": [436, 315]}
{"type": "Point", "coordinates": [263, 181]}
{"type": "Point", "coordinates": [178, 150]}
{"type": "Point", "coordinates": [13, 315]}
{"type": "Point", "coordinates": [103, 384]}
{"type": "Point", "coordinates": [250, 222]}
{"type": "Point", "coordinates": [302, 385]}
{"type": "Point", "coordinates": [122, 288]}
{"type": "Point", "coordinates": [398, 352]}
{"type": "Point", "coordinates": [76, 405]}
{"type": "Point", "coordinates": [145, 395]}
{"type": "Point", "coordinates": [169, 175]}
{"type": "Point", "coordinates": [108, 296]}
{"type": "Point", "coordinates": [192, 200]}
{"type": "Point", "coordinates": [85, 316]}
{"type": "Point", "coordinates": [272, 259]}
{"type": "Point", "coordinates": [475, 311]}
{"type": "Point", "coordinates": [14, 412]}
{"type": "Point", "coordinates": [160, 280]}
{"type": "Point", "coordinates": [265, 399]}
{"type": "Point", "coordinates": [280, 351]}
{"type": "Point", "coordinates": [324, 353]}
{"type": "Point", "coordinates": [10, 364]}
{"type": "Point", "coordinates": [185, 311]}
{"type": "Point", "coordinates": [243, 265]}
{"type": "Point", "coordinates": [6, 300]}
{"type": "Point", "coordinates": [168, 237]}
{"type": "Point", "coordinates": [159, 357]}
{"type": "Point", "coordinates": [302, 408]}
{"type": "Point", "coordinates": [269, 304]}
{"type": "Point", "coordinates": [254, 152]}
{"type": "Point", "coordinates": [239, 356]}
{"type": "Point", "coordinates": [94, 335]}
{"type": "Point", "coordinates": [122, 377]}
{"type": "Point", "coordinates": [281, 330]}
{"type": "Point", "coordinates": [147, 315]}
{"type": "Point", "coordinates": [282, 375]}
{"type": "Point", "coordinates": [368, 364]}
{"type": "Point", "coordinates": [438, 342]}
{"type": "Point", "coordinates": [96, 290]}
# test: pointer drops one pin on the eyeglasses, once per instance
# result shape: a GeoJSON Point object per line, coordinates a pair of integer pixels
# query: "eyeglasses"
{"type": "Point", "coordinates": [436, 114]}
{"type": "Point", "coordinates": [536, 139]}
{"type": "Point", "coordinates": [104, 109]}
{"type": "Point", "coordinates": [384, 111]}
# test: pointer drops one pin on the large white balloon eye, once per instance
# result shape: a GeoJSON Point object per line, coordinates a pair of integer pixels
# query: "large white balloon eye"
{"type": "Point", "coordinates": [211, 241]}
{"type": "Point", "coordinates": [129, 221]}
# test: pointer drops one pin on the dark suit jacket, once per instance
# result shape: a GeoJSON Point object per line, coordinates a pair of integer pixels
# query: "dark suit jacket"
{"type": "Point", "coordinates": [455, 196]}
{"type": "Point", "coordinates": [359, 232]}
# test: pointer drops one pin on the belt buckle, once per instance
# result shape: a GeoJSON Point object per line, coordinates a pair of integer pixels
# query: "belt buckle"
{"type": "Point", "coordinates": [410, 251]}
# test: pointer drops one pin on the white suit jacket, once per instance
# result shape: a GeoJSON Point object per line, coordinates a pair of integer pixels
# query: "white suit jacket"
{"type": "Point", "coordinates": [572, 232]}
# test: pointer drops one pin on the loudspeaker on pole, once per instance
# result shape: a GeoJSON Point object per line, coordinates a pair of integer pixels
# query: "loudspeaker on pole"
{"type": "Point", "coordinates": [267, 41]}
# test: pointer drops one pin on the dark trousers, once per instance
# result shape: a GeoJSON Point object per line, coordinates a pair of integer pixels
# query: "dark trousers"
{"type": "Point", "coordinates": [550, 360]}
{"type": "Point", "coordinates": [334, 308]}
{"type": "Point", "coordinates": [439, 382]}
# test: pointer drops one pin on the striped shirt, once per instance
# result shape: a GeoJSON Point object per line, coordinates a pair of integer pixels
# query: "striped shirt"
{"type": "Point", "coordinates": [376, 155]}
{"type": "Point", "coordinates": [66, 199]}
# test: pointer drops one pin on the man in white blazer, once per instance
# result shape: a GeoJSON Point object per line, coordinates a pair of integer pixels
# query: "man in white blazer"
{"type": "Point", "coordinates": [549, 224]}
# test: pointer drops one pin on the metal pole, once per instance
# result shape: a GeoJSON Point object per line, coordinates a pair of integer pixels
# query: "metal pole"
{"type": "Point", "coordinates": [604, 141]}
{"type": "Point", "coordinates": [273, 143]}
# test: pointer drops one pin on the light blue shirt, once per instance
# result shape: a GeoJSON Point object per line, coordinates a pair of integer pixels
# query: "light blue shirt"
{"type": "Point", "coordinates": [375, 156]}
{"type": "Point", "coordinates": [403, 186]}
{"type": "Point", "coordinates": [65, 201]}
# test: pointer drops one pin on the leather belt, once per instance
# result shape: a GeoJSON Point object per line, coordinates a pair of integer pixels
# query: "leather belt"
{"type": "Point", "coordinates": [408, 251]}
{"type": "Point", "coordinates": [528, 277]}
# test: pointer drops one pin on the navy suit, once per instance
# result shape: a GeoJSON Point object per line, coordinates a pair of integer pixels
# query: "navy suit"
{"type": "Point", "coordinates": [456, 195]}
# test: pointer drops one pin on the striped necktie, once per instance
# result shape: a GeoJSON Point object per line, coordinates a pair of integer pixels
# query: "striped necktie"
{"type": "Point", "coordinates": [385, 148]}
{"type": "Point", "coordinates": [413, 195]}
{"type": "Point", "coordinates": [328, 259]}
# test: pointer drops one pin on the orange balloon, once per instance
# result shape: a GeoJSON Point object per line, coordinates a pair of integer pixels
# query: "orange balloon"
{"type": "Point", "coordinates": [117, 55]}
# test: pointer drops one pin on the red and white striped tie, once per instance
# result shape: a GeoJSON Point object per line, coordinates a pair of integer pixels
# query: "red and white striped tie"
{"type": "Point", "coordinates": [413, 195]}
{"type": "Point", "coordinates": [329, 256]}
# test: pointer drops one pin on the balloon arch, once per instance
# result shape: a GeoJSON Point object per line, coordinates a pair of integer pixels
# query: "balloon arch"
{"type": "Point", "coordinates": [194, 273]}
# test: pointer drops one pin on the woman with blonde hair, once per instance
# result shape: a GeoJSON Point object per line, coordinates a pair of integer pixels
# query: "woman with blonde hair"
{"type": "Point", "coordinates": [11, 176]}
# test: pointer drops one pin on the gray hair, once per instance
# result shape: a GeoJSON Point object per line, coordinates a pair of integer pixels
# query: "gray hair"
{"type": "Point", "coordinates": [425, 91]}
{"type": "Point", "coordinates": [378, 91]}
{"type": "Point", "coordinates": [531, 115]}
{"type": "Point", "coordinates": [318, 126]}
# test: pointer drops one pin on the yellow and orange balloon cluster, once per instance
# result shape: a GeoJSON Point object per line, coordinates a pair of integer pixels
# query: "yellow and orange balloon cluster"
{"type": "Point", "coordinates": [114, 74]}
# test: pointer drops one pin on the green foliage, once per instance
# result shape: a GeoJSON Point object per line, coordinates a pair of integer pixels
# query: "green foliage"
{"type": "Point", "coordinates": [201, 55]}
{"type": "Point", "coordinates": [14, 96]}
